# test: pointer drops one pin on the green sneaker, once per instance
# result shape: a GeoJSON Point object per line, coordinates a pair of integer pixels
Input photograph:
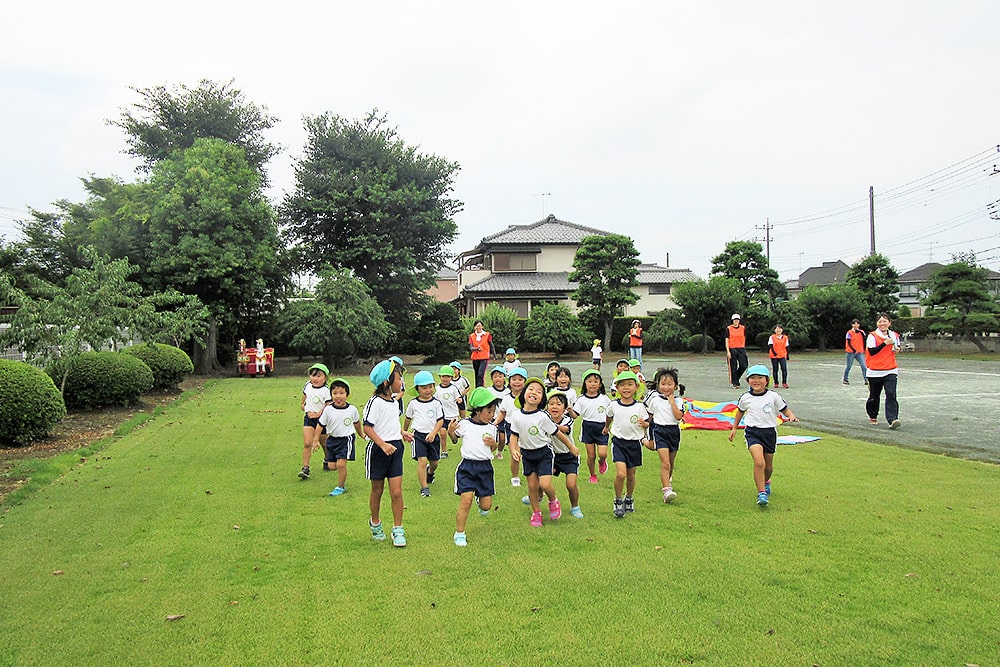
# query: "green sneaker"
{"type": "Point", "coordinates": [377, 532]}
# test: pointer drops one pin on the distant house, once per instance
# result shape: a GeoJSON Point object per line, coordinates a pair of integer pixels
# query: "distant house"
{"type": "Point", "coordinates": [525, 265]}
{"type": "Point", "coordinates": [830, 273]}
{"type": "Point", "coordinates": [445, 289]}
{"type": "Point", "coordinates": [910, 292]}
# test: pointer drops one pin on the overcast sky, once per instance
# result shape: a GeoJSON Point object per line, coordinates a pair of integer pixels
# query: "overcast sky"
{"type": "Point", "coordinates": [685, 125]}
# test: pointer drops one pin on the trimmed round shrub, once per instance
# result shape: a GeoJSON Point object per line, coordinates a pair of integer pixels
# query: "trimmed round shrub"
{"type": "Point", "coordinates": [30, 404]}
{"type": "Point", "coordinates": [694, 343]}
{"type": "Point", "coordinates": [169, 364]}
{"type": "Point", "coordinates": [99, 379]}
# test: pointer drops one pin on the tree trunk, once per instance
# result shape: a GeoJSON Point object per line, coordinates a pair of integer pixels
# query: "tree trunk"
{"type": "Point", "coordinates": [206, 361]}
{"type": "Point", "coordinates": [607, 334]}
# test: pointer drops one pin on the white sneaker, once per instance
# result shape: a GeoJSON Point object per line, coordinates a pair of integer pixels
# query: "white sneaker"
{"type": "Point", "coordinates": [668, 495]}
{"type": "Point", "coordinates": [515, 481]}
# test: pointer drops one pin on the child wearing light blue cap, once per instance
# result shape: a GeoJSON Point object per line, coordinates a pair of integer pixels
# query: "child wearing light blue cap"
{"type": "Point", "coordinates": [510, 360]}
{"type": "Point", "coordinates": [384, 454]}
{"type": "Point", "coordinates": [426, 414]}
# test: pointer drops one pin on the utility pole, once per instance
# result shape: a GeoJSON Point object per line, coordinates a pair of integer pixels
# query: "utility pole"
{"type": "Point", "coordinates": [767, 238]}
{"type": "Point", "coordinates": [871, 216]}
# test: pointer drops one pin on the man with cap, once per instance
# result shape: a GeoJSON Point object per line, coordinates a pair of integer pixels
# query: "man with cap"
{"type": "Point", "coordinates": [736, 350]}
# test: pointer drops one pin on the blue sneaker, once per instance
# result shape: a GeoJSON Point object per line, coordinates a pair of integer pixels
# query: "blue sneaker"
{"type": "Point", "coordinates": [377, 532]}
{"type": "Point", "coordinates": [762, 498]}
{"type": "Point", "coordinates": [767, 489]}
{"type": "Point", "coordinates": [460, 540]}
{"type": "Point", "coordinates": [576, 512]}
{"type": "Point", "coordinates": [525, 500]}
{"type": "Point", "coordinates": [339, 491]}
{"type": "Point", "coordinates": [398, 537]}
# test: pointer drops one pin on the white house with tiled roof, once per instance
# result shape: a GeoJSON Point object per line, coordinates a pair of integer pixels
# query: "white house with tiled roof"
{"type": "Point", "coordinates": [525, 265]}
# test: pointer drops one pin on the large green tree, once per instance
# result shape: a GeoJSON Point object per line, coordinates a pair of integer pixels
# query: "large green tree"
{"type": "Point", "coordinates": [745, 262]}
{"type": "Point", "coordinates": [165, 120]}
{"type": "Point", "coordinates": [606, 269]}
{"type": "Point", "coordinates": [708, 305]}
{"type": "Point", "coordinates": [879, 282]}
{"type": "Point", "coordinates": [960, 291]}
{"type": "Point", "coordinates": [552, 327]}
{"type": "Point", "coordinates": [831, 309]}
{"type": "Point", "coordinates": [211, 233]}
{"type": "Point", "coordinates": [366, 201]}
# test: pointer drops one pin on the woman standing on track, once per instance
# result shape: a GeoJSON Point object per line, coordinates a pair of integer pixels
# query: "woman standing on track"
{"type": "Point", "coordinates": [880, 358]}
{"type": "Point", "coordinates": [481, 346]}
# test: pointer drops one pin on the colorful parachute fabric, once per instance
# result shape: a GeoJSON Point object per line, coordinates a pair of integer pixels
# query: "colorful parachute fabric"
{"type": "Point", "coordinates": [711, 416]}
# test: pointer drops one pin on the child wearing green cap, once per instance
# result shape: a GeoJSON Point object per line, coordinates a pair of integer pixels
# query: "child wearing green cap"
{"type": "Point", "coordinates": [474, 475]}
{"type": "Point", "coordinates": [451, 400]}
{"type": "Point", "coordinates": [627, 420]}
{"type": "Point", "coordinates": [315, 397]}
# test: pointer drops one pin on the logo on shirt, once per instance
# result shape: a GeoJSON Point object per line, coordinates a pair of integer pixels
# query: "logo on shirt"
{"type": "Point", "coordinates": [347, 421]}
{"type": "Point", "coordinates": [634, 419]}
{"type": "Point", "coordinates": [600, 409]}
{"type": "Point", "coordinates": [533, 430]}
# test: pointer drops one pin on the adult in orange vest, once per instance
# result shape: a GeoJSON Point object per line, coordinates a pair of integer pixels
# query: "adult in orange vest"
{"type": "Point", "coordinates": [854, 346]}
{"type": "Point", "coordinates": [481, 346]}
{"type": "Point", "coordinates": [880, 356]}
{"type": "Point", "coordinates": [635, 341]}
{"type": "Point", "coordinates": [777, 350]}
{"type": "Point", "coordinates": [736, 350]}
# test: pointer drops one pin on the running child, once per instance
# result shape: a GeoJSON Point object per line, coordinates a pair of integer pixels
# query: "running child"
{"type": "Point", "coordinates": [635, 366]}
{"type": "Point", "coordinates": [384, 454]}
{"type": "Point", "coordinates": [474, 475]}
{"type": "Point", "coordinates": [426, 414]}
{"type": "Point", "coordinates": [509, 404]}
{"type": "Point", "coordinates": [596, 354]}
{"type": "Point", "coordinates": [666, 410]}
{"type": "Point", "coordinates": [550, 375]}
{"type": "Point", "coordinates": [564, 380]}
{"type": "Point", "coordinates": [531, 430]}
{"type": "Point", "coordinates": [315, 397]}
{"type": "Point", "coordinates": [592, 408]}
{"type": "Point", "coordinates": [498, 386]}
{"type": "Point", "coordinates": [627, 421]}
{"type": "Point", "coordinates": [510, 361]}
{"type": "Point", "coordinates": [462, 384]}
{"type": "Point", "coordinates": [761, 406]}
{"type": "Point", "coordinates": [566, 459]}
{"type": "Point", "coordinates": [620, 367]}
{"type": "Point", "coordinates": [340, 422]}
{"type": "Point", "coordinates": [449, 395]}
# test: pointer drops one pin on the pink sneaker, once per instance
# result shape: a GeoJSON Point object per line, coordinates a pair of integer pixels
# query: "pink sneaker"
{"type": "Point", "coordinates": [602, 467]}
{"type": "Point", "coordinates": [555, 511]}
{"type": "Point", "coordinates": [593, 479]}
{"type": "Point", "coordinates": [536, 519]}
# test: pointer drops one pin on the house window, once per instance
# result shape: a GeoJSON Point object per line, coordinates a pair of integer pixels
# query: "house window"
{"type": "Point", "coordinates": [509, 261]}
{"type": "Point", "coordinates": [659, 288]}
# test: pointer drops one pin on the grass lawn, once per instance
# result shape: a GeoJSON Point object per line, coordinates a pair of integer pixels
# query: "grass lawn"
{"type": "Point", "coordinates": [867, 555]}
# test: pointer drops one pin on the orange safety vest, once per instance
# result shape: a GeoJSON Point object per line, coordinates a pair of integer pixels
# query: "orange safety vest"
{"type": "Point", "coordinates": [635, 337]}
{"type": "Point", "coordinates": [780, 345]}
{"type": "Point", "coordinates": [855, 338]}
{"type": "Point", "coordinates": [884, 360]}
{"type": "Point", "coordinates": [737, 336]}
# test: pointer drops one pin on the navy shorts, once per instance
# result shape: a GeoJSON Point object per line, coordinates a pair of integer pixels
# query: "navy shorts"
{"type": "Point", "coordinates": [628, 452]}
{"type": "Point", "coordinates": [537, 461]}
{"type": "Point", "coordinates": [379, 465]}
{"type": "Point", "coordinates": [666, 436]}
{"type": "Point", "coordinates": [592, 433]}
{"type": "Point", "coordinates": [566, 464]}
{"type": "Point", "coordinates": [423, 449]}
{"type": "Point", "coordinates": [475, 476]}
{"type": "Point", "coordinates": [765, 437]}
{"type": "Point", "coordinates": [312, 422]}
{"type": "Point", "coordinates": [503, 428]}
{"type": "Point", "coordinates": [339, 448]}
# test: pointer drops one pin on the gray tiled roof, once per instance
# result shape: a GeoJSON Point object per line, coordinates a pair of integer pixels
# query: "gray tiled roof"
{"type": "Point", "coordinates": [831, 273]}
{"type": "Point", "coordinates": [550, 230]}
{"type": "Point", "coordinates": [523, 282]}
{"type": "Point", "coordinates": [653, 274]}
{"type": "Point", "coordinates": [920, 274]}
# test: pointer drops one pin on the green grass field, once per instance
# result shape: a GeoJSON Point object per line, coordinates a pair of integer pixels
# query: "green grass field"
{"type": "Point", "coordinates": [867, 555]}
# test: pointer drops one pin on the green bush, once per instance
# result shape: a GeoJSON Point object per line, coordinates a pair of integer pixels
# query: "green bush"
{"type": "Point", "coordinates": [760, 340]}
{"type": "Point", "coordinates": [98, 379]}
{"type": "Point", "coordinates": [30, 404]}
{"type": "Point", "coordinates": [169, 364]}
{"type": "Point", "coordinates": [694, 343]}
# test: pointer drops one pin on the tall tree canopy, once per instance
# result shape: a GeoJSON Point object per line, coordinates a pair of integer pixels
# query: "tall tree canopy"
{"type": "Point", "coordinates": [365, 201]}
{"type": "Point", "coordinates": [605, 266]}
{"type": "Point", "coordinates": [169, 119]}
{"type": "Point", "coordinates": [960, 291]}
{"type": "Point", "coordinates": [831, 309]}
{"type": "Point", "coordinates": [708, 305]}
{"type": "Point", "coordinates": [745, 262]}
{"type": "Point", "coordinates": [879, 282]}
